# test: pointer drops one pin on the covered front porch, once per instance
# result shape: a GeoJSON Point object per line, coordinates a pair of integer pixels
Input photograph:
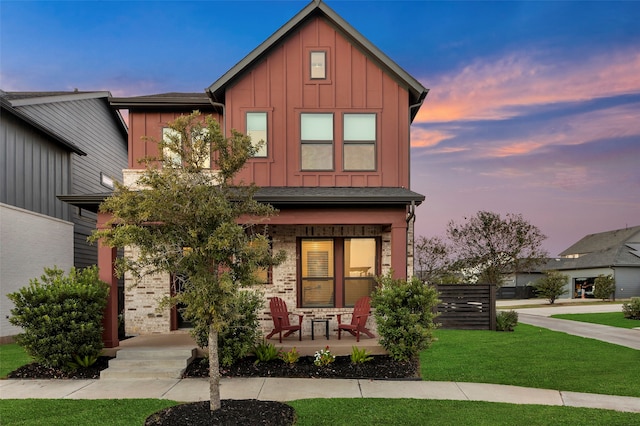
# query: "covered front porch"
{"type": "Point", "coordinates": [306, 347]}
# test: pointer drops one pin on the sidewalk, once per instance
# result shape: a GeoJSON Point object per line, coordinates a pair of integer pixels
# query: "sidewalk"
{"type": "Point", "coordinates": [188, 390]}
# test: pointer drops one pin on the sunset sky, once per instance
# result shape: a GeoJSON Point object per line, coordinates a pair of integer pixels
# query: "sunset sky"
{"type": "Point", "coordinates": [534, 107]}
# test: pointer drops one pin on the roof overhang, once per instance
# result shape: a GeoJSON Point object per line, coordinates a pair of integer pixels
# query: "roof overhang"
{"type": "Point", "coordinates": [187, 101]}
{"type": "Point", "coordinates": [296, 197]}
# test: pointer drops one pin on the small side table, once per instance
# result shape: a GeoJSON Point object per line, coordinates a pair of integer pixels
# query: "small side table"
{"type": "Point", "coordinates": [315, 321]}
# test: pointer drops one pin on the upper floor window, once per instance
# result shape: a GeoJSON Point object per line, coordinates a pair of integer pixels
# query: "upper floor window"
{"type": "Point", "coordinates": [172, 137]}
{"type": "Point", "coordinates": [318, 65]}
{"type": "Point", "coordinates": [359, 149]}
{"type": "Point", "coordinates": [257, 131]}
{"type": "Point", "coordinates": [316, 137]}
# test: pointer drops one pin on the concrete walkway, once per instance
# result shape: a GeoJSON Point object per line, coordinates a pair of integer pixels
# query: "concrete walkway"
{"type": "Point", "coordinates": [282, 389]}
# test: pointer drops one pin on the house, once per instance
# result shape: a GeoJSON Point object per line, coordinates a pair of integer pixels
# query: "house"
{"type": "Point", "coordinates": [52, 143]}
{"type": "Point", "coordinates": [615, 253]}
{"type": "Point", "coordinates": [335, 113]}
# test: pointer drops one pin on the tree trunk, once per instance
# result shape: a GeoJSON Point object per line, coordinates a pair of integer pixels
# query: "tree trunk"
{"type": "Point", "coordinates": [214, 370]}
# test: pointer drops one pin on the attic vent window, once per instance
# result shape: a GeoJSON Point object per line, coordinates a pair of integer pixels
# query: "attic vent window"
{"type": "Point", "coordinates": [318, 65]}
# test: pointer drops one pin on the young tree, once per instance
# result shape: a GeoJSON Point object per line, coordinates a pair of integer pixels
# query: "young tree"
{"type": "Point", "coordinates": [432, 259]}
{"type": "Point", "coordinates": [604, 287]}
{"type": "Point", "coordinates": [552, 285]}
{"type": "Point", "coordinates": [495, 246]}
{"type": "Point", "coordinates": [196, 223]}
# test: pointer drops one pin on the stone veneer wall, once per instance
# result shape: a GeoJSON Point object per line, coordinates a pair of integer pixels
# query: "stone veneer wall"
{"type": "Point", "coordinates": [141, 300]}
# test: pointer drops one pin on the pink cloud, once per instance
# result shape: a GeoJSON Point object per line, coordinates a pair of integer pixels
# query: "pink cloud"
{"type": "Point", "coordinates": [486, 90]}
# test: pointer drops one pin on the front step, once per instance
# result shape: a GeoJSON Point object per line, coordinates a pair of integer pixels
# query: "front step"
{"type": "Point", "coordinates": [149, 363]}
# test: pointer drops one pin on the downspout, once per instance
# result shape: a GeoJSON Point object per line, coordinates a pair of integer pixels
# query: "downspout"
{"type": "Point", "coordinates": [224, 115]}
{"type": "Point", "coordinates": [410, 217]}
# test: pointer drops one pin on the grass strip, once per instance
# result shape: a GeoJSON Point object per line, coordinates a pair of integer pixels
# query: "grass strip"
{"type": "Point", "coordinates": [532, 357]}
{"type": "Point", "coordinates": [95, 412]}
{"type": "Point", "coordinates": [12, 356]}
{"type": "Point", "coordinates": [335, 412]}
{"type": "Point", "coordinates": [614, 319]}
{"type": "Point", "coordinates": [53, 412]}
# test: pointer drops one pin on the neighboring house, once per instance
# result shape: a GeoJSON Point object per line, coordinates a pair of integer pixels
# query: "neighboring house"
{"type": "Point", "coordinates": [52, 144]}
{"type": "Point", "coordinates": [335, 113]}
{"type": "Point", "coordinates": [615, 253]}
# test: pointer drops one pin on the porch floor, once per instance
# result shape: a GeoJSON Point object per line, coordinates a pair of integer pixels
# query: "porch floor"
{"type": "Point", "coordinates": [306, 347]}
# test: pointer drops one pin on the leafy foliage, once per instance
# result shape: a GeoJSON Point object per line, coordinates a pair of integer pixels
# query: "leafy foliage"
{"type": "Point", "coordinates": [61, 316]}
{"type": "Point", "coordinates": [631, 310]}
{"type": "Point", "coordinates": [605, 286]}
{"type": "Point", "coordinates": [488, 247]}
{"type": "Point", "coordinates": [360, 356]}
{"type": "Point", "coordinates": [185, 219]}
{"type": "Point", "coordinates": [405, 313]}
{"type": "Point", "coordinates": [506, 320]}
{"type": "Point", "coordinates": [324, 357]}
{"type": "Point", "coordinates": [552, 285]}
{"type": "Point", "coordinates": [265, 352]}
{"type": "Point", "coordinates": [241, 331]}
{"type": "Point", "coordinates": [290, 357]}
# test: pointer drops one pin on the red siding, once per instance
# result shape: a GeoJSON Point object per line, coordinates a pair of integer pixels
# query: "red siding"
{"type": "Point", "coordinates": [279, 84]}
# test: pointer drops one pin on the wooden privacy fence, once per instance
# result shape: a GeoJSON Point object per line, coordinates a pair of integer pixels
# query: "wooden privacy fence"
{"type": "Point", "coordinates": [467, 306]}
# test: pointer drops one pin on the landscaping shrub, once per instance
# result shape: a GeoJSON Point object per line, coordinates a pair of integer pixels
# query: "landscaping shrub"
{"type": "Point", "coordinates": [238, 337]}
{"type": "Point", "coordinates": [552, 285]}
{"type": "Point", "coordinates": [405, 313]}
{"type": "Point", "coordinates": [265, 352]}
{"type": "Point", "coordinates": [631, 310]}
{"type": "Point", "coordinates": [61, 316]}
{"type": "Point", "coordinates": [604, 287]}
{"type": "Point", "coordinates": [506, 320]}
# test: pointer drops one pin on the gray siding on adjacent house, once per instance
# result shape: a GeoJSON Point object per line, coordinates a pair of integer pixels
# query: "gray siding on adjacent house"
{"type": "Point", "coordinates": [91, 126]}
{"type": "Point", "coordinates": [33, 170]}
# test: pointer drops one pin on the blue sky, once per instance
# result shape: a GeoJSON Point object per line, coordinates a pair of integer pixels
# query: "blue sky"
{"type": "Point", "coordinates": [534, 107]}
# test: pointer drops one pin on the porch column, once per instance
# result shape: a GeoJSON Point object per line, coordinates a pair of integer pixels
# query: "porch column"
{"type": "Point", "coordinates": [106, 264]}
{"type": "Point", "coordinates": [399, 251]}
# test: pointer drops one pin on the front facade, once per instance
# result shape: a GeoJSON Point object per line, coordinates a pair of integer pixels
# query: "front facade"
{"type": "Point", "coordinates": [335, 115]}
{"type": "Point", "coordinates": [53, 143]}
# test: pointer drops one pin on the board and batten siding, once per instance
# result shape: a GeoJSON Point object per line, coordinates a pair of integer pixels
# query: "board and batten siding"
{"type": "Point", "coordinates": [33, 170]}
{"type": "Point", "coordinates": [279, 85]}
{"type": "Point", "coordinates": [90, 125]}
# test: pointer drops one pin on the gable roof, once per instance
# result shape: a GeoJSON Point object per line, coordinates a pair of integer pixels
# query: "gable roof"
{"type": "Point", "coordinates": [417, 92]}
{"type": "Point", "coordinates": [20, 100]}
{"type": "Point", "coordinates": [7, 107]}
{"type": "Point", "coordinates": [620, 247]}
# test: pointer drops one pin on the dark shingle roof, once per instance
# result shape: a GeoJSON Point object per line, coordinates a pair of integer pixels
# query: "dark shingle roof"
{"type": "Point", "coordinates": [296, 196]}
{"type": "Point", "coordinates": [163, 100]}
{"type": "Point", "coordinates": [620, 247]}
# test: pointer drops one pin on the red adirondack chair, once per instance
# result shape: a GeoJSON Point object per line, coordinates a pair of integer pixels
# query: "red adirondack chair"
{"type": "Point", "coordinates": [358, 325]}
{"type": "Point", "coordinates": [281, 322]}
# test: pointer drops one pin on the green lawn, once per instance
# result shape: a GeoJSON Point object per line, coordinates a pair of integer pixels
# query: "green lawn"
{"type": "Point", "coordinates": [12, 356]}
{"type": "Point", "coordinates": [532, 357]}
{"type": "Point", "coordinates": [320, 412]}
{"type": "Point", "coordinates": [614, 319]}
